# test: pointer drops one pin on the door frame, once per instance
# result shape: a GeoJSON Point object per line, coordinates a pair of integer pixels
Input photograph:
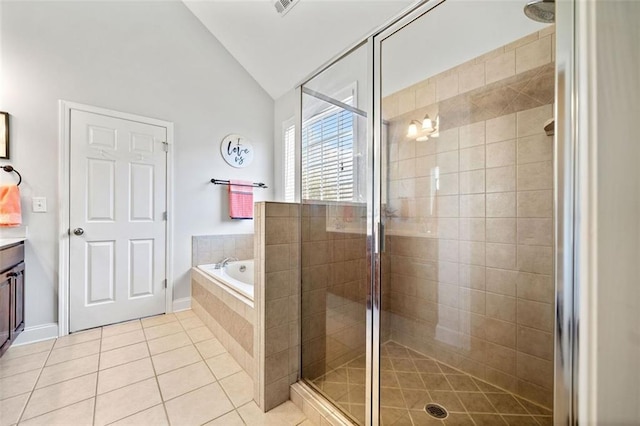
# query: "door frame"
{"type": "Point", "coordinates": [64, 180]}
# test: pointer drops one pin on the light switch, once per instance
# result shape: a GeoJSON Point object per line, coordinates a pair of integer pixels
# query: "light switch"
{"type": "Point", "coordinates": [39, 204]}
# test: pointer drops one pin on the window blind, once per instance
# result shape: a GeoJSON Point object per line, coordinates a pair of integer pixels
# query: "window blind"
{"type": "Point", "coordinates": [327, 155]}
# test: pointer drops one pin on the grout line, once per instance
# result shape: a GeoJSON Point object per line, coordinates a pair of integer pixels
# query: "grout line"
{"type": "Point", "coordinates": [95, 392]}
{"type": "Point", "coordinates": [155, 375]}
{"type": "Point", "coordinates": [24, 408]}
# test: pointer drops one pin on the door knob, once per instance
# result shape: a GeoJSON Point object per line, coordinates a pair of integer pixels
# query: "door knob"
{"type": "Point", "coordinates": [78, 231]}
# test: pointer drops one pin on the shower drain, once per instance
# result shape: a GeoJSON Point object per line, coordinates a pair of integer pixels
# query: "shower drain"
{"type": "Point", "coordinates": [437, 411]}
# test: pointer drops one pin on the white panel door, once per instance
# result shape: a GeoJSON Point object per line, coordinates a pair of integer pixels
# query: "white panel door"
{"type": "Point", "coordinates": [117, 247]}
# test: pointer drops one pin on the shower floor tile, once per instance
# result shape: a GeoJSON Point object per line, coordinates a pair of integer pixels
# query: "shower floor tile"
{"type": "Point", "coordinates": [410, 380]}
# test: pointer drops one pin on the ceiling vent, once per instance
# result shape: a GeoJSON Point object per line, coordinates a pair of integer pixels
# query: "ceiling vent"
{"type": "Point", "coordinates": [284, 6]}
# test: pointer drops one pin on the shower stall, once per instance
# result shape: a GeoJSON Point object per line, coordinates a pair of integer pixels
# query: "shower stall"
{"type": "Point", "coordinates": [428, 221]}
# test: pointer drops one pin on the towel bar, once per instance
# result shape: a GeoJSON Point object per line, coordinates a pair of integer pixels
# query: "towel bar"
{"type": "Point", "coordinates": [10, 169]}
{"type": "Point", "coordinates": [226, 182]}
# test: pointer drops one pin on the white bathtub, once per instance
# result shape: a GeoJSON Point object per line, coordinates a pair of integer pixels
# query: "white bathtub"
{"type": "Point", "coordinates": [237, 276]}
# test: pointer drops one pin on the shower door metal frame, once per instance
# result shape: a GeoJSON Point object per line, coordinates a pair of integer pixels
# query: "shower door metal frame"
{"type": "Point", "coordinates": [566, 198]}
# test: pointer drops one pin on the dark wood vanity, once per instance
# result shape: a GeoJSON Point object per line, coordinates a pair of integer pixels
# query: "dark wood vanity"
{"type": "Point", "coordinates": [11, 293]}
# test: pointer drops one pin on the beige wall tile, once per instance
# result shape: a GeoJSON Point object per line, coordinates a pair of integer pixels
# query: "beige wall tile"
{"type": "Point", "coordinates": [448, 184]}
{"type": "Point", "coordinates": [425, 95]}
{"type": "Point", "coordinates": [534, 176]}
{"type": "Point", "coordinates": [500, 67]}
{"type": "Point", "coordinates": [472, 253]}
{"type": "Point", "coordinates": [472, 276]}
{"type": "Point", "coordinates": [531, 121]}
{"type": "Point", "coordinates": [390, 106]}
{"type": "Point", "coordinates": [535, 287]}
{"type": "Point", "coordinates": [501, 256]}
{"type": "Point", "coordinates": [500, 332]}
{"type": "Point", "coordinates": [472, 158]}
{"type": "Point", "coordinates": [472, 182]}
{"type": "Point", "coordinates": [501, 204]}
{"type": "Point", "coordinates": [535, 370]}
{"type": "Point", "coordinates": [472, 229]}
{"type": "Point", "coordinates": [501, 128]}
{"type": "Point", "coordinates": [501, 307]}
{"type": "Point", "coordinates": [471, 78]}
{"type": "Point", "coordinates": [446, 86]}
{"type": "Point", "coordinates": [535, 315]}
{"type": "Point", "coordinates": [472, 205]}
{"type": "Point", "coordinates": [501, 179]}
{"type": "Point", "coordinates": [501, 230]}
{"type": "Point", "coordinates": [535, 148]}
{"type": "Point", "coordinates": [537, 259]}
{"type": "Point", "coordinates": [447, 162]}
{"type": "Point", "coordinates": [448, 206]}
{"type": "Point", "coordinates": [501, 358]}
{"type": "Point", "coordinates": [472, 135]}
{"type": "Point", "coordinates": [278, 230]}
{"type": "Point", "coordinates": [406, 100]}
{"type": "Point", "coordinates": [447, 141]}
{"type": "Point", "coordinates": [535, 231]}
{"type": "Point", "coordinates": [533, 55]}
{"type": "Point", "coordinates": [535, 203]}
{"type": "Point", "coordinates": [501, 281]}
{"type": "Point", "coordinates": [535, 342]}
{"type": "Point", "coordinates": [501, 154]}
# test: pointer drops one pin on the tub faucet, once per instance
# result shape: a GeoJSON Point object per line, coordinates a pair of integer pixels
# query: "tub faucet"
{"type": "Point", "coordinates": [224, 262]}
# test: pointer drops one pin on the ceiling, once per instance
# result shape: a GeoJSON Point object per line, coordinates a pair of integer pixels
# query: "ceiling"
{"type": "Point", "coordinates": [280, 51]}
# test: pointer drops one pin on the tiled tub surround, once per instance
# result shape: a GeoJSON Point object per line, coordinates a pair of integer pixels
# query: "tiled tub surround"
{"type": "Point", "coordinates": [334, 282]}
{"type": "Point", "coordinates": [264, 337]}
{"type": "Point", "coordinates": [206, 249]}
{"type": "Point", "coordinates": [229, 318]}
{"type": "Point", "coordinates": [469, 267]}
{"type": "Point", "coordinates": [277, 299]}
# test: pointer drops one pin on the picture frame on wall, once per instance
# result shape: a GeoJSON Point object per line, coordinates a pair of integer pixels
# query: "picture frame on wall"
{"type": "Point", "coordinates": [4, 135]}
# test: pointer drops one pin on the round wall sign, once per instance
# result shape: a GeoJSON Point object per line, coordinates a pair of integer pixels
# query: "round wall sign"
{"type": "Point", "coordinates": [236, 150]}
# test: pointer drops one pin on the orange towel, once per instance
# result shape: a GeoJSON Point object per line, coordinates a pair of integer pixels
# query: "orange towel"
{"type": "Point", "coordinates": [10, 211]}
{"type": "Point", "coordinates": [240, 199]}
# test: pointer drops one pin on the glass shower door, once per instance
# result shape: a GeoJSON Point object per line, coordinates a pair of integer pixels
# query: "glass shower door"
{"type": "Point", "coordinates": [335, 263]}
{"type": "Point", "coordinates": [465, 202]}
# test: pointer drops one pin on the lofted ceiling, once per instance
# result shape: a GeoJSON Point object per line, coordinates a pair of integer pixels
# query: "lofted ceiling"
{"type": "Point", "coordinates": [280, 51]}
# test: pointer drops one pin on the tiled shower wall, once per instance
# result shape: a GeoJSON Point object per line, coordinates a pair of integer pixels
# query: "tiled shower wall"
{"type": "Point", "coordinates": [207, 249]}
{"type": "Point", "coordinates": [333, 287]}
{"type": "Point", "coordinates": [469, 257]}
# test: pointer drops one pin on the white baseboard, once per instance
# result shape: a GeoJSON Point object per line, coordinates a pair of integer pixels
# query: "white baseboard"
{"type": "Point", "coordinates": [182, 304]}
{"type": "Point", "coordinates": [37, 333]}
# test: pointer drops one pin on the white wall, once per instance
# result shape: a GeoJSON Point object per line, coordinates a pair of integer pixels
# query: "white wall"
{"type": "Point", "coordinates": [616, 37]}
{"type": "Point", "coordinates": [149, 58]}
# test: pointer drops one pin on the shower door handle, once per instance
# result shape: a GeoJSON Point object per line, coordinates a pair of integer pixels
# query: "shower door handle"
{"type": "Point", "coordinates": [380, 238]}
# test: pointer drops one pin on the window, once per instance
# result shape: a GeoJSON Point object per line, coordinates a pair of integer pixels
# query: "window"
{"type": "Point", "coordinates": [289, 143]}
{"type": "Point", "coordinates": [327, 154]}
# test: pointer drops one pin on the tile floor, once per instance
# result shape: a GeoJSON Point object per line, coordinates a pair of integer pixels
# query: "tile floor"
{"type": "Point", "coordinates": [410, 380]}
{"type": "Point", "coordinates": [161, 370]}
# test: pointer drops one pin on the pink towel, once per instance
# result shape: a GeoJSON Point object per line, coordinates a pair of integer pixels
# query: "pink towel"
{"type": "Point", "coordinates": [10, 210]}
{"type": "Point", "coordinates": [240, 199]}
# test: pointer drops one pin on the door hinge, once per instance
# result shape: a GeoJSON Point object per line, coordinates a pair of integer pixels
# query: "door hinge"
{"type": "Point", "coordinates": [165, 146]}
{"type": "Point", "coordinates": [164, 215]}
{"type": "Point", "coordinates": [165, 283]}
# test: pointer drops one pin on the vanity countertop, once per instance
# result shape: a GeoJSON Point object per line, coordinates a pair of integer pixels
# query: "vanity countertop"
{"type": "Point", "coordinates": [5, 242]}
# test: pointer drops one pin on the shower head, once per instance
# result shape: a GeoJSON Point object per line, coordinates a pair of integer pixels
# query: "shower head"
{"type": "Point", "coordinates": [541, 10]}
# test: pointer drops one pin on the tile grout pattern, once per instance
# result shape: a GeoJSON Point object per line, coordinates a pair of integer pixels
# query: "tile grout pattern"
{"type": "Point", "coordinates": [410, 380]}
{"type": "Point", "coordinates": [167, 369]}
